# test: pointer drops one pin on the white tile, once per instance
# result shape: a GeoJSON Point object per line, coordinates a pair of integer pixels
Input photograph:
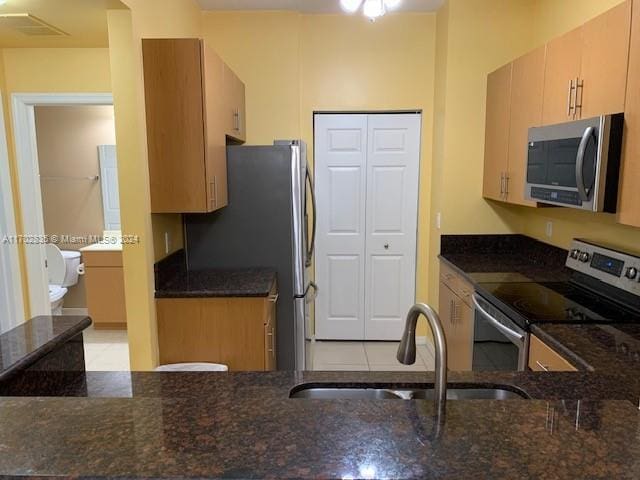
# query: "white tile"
{"type": "Point", "coordinates": [339, 353]}
{"type": "Point", "coordinates": [427, 357]}
{"type": "Point", "coordinates": [381, 353]}
{"type": "Point", "coordinates": [106, 350]}
{"type": "Point", "coordinates": [339, 367]}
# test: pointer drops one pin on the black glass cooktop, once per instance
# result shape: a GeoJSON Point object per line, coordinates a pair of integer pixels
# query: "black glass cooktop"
{"type": "Point", "coordinates": [558, 303]}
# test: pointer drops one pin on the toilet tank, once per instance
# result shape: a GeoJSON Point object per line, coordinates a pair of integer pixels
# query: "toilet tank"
{"type": "Point", "coordinates": [72, 262]}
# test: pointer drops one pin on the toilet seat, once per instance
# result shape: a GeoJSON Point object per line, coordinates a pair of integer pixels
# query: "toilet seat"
{"type": "Point", "coordinates": [56, 292]}
{"type": "Point", "coordinates": [56, 266]}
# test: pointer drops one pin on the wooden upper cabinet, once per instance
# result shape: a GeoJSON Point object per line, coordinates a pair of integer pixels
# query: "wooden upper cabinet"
{"type": "Point", "coordinates": [605, 57]}
{"type": "Point", "coordinates": [629, 202]}
{"type": "Point", "coordinates": [187, 97]}
{"type": "Point", "coordinates": [496, 144]}
{"type": "Point", "coordinates": [527, 84]}
{"type": "Point", "coordinates": [562, 70]}
{"type": "Point", "coordinates": [586, 69]}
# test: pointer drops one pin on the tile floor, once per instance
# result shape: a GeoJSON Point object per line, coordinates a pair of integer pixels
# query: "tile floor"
{"type": "Point", "coordinates": [106, 350]}
{"type": "Point", "coordinates": [367, 356]}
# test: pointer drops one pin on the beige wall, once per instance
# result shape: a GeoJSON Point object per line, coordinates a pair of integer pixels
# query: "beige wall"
{"type": "Point", "coordinates": [47, 70]}
{"type": "Point", "coordinates": [295, 64]}
{"type": "Point", "coordinates": [67, 141]}
{"type": "Point", "coordinates": [474, 38]}
{"type": "Point", "coordinates": [146, 18]}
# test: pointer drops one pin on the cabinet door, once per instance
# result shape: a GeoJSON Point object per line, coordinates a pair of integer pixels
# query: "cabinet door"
{"type": "Point", "coordinates": [564, 56]}
{"type": "Point", "coordinates": [445, 311]}
{"type": "Point", "coordinates": [234, 115]}
{"type": "Point", "coordinates": [543, 358]}
{"type": "Point", "coordinates": [175, 118]}
{"type": "Point", "coordinates": [462, 351]}
{"type": "Point", "coordinates": [216, 150]}
{"type": "Point", "coordinates": [605, 57]}
{"type": "Point", "coordinates": [629, 205]}
{"type": "Point", "coordinates": [106, 297]}
{"type": "Point", "coordinates": [496, 132]}
{"type": "Point", "coordinates": [527, 83]}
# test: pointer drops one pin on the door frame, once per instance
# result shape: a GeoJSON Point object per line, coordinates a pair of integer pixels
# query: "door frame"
{"type": "Point", "coordinates": [14, 311]}
{"type": "Point", "coordinates": [417, 111]}
{"type": "Point", "coordinates": [24, 131]}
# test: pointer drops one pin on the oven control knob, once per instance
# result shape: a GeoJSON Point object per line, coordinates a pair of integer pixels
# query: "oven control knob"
{"type": "Point", "coordinates": [575, 253]}
{"type": "Point", "coordinates": [584, 257]}
{"type": "Point", "coordinates": [631, 273]}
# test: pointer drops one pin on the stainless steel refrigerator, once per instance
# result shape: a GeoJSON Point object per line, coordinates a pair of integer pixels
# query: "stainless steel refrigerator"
{"type": "Point", "coordinates": [268, 223]}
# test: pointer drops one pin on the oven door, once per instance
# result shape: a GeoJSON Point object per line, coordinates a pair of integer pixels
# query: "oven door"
{"type": "Point", "coordinates": [499, 344]}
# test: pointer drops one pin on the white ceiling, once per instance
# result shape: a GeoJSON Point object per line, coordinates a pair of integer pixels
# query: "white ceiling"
{"type": "Point", "coordinates": [308, 6]}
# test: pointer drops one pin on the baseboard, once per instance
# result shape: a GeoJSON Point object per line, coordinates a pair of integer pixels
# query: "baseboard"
{"type": "Point", "coordinates": [75, 311]}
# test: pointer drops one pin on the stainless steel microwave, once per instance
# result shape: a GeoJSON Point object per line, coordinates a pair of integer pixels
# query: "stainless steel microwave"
{"type": "Point", "coordinates": [576, 164]}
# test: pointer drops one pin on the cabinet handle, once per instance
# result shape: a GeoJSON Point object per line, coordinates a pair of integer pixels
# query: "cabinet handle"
{"type": "Point", "coordinates": [579, 85]}
{"type": "Point", "coordinates": [273, 298]}
{"type": "Point", "coordinates": [501, 184]}
{"type": "Point", "coordinates": [213, 201]}
{"type": "Point", "coordinates": [570, 105]}
{"type": "Point", "coordinates": [543, 367]}
{"type": "Point", "coordinates": [236, 120]}
{"type": "Point", "coordinates": [270, 348]}
{"type": "Point", "coordinates": [506, 186]}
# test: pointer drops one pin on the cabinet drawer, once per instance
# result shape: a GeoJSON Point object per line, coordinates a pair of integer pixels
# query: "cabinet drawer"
{"type": "Point", "coordinates": [543, 358]}
{"type": "Point", "coordinates": [452, 279]}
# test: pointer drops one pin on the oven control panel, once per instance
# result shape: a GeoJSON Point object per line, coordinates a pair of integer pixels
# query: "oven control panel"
{"type": "Point", "coordinates": [607, 264]}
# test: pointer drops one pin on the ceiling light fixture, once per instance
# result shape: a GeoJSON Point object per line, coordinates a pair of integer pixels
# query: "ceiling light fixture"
{"type": "Point", "coordinates": [371, 8]}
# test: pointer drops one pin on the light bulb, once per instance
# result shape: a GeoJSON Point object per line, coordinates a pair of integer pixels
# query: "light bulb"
{"type": "Point", "coordinates": [350, 5]}
{"type": "Point", "coordinates": [373, 8]}
{"type": "Point", "coordinates": [392, 4]}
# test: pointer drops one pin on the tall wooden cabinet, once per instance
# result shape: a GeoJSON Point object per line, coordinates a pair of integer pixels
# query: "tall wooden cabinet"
{"type": "Point", "coordinates": [496, 146]}
{"type": "Point", "coordinates": [586, 69]}
{"type": "Point", "coordinates": [629, 203]}
{"type": "Point", "coordinates": [194, 105]}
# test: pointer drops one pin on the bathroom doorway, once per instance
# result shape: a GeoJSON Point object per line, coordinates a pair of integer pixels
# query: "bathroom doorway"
{"type": "Point", "coordinates": [67, 170]}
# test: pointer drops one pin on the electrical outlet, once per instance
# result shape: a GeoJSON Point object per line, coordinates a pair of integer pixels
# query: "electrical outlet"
{"type": "Point", "coordinates": [167, 242]}
{"type": "Point", "coordinates": [549, 229]}
{"type": "Point", "coordinates": [438, 220]}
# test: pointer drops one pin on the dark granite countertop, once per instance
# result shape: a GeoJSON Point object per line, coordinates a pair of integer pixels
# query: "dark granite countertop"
{"type": "Point", "coordinates": [243, 425]}
{"type": "Point", "coordinates": [26, 343]}
{"type": "Point", "coordinates": [173, 280]}
{"type": "Point", "coordinates": [502, 258]}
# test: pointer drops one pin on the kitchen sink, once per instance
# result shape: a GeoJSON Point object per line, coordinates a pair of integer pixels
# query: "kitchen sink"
{"type": "Point", "coordinates": [373, 393]}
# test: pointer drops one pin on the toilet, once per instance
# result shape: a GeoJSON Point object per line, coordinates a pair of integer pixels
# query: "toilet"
{"type": "Point", "coordinates": [62, 266]}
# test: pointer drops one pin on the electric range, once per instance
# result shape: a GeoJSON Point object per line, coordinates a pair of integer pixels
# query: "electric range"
{"type": "Point", "coordinates": [604, 289]}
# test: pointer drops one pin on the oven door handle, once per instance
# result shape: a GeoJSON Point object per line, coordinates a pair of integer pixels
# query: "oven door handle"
{"type": "Point", "coordinates": [506, 331]}
{"type": "Point", "coordinates": [582, 148]}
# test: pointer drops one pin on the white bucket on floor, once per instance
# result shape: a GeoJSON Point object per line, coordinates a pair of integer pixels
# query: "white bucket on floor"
{"type": "Point", "coordinates": [192, 367]}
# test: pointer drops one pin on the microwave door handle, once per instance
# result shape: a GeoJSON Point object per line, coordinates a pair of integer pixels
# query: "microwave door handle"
{"type": "Point", "coordinates": [582, 148]}
{"type": "Point", "coordinates": [506, 331]}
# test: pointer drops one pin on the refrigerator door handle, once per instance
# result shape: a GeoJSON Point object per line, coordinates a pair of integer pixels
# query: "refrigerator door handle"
{"type": "Point", "coordinates": [310, 298]}
{"type": "Point", "coordinates": [312, 243]}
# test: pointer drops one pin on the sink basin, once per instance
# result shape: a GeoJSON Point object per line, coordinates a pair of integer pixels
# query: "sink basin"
{"type": "Point", "coordinates": [368, 393]}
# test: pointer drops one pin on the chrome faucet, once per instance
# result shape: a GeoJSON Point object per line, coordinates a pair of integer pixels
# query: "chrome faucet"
{"type": "Point", "coordinates": [407, 349]}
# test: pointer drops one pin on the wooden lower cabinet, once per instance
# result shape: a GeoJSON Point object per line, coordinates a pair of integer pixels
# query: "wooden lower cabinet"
{"type": "Point", "coordinates": [238, 332]}
{"type": "Point", "coordinates": [543, 358]}
{"type": "Point", "coordinates": [456, 315]}
{"type": "Point", "coordinates": [104, 280]}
